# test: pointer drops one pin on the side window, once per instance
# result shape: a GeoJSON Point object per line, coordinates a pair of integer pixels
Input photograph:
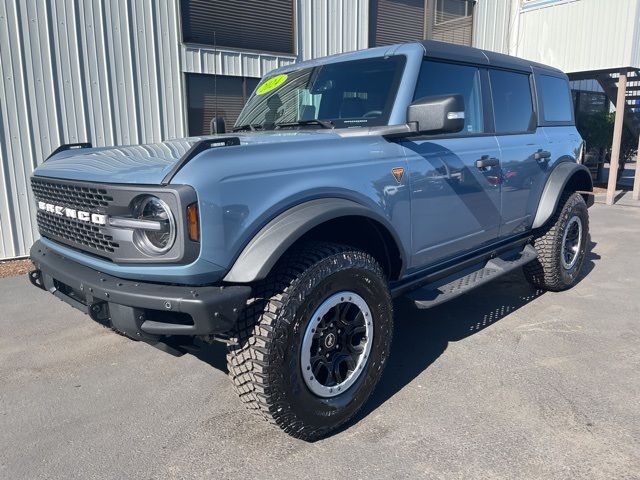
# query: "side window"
{"type": "Point", "coordinates": [556, 99]}
{"type": "Point", "coordinates": [438, 78]}
{"type": "Point", "coordinates": [512, 103]}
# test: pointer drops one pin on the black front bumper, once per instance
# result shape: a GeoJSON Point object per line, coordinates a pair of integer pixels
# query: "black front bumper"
{"type": "Point", "coordinates": [138, 309]}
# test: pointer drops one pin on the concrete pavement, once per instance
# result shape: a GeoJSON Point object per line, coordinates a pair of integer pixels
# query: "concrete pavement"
{"type": "Point", "coordinates": [505, 382]}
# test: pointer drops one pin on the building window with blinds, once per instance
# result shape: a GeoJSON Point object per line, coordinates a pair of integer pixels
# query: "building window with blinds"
{"type": "Point", "coordinates": [451, 10]}
{"type": "Point", "coordinates": [395, 21]}
{"type": "Point", "coordinates": [399, 21]}
{"type": "Point", "coordinates": [453, 22]}
{"type": "Point", "coordinates": [210, 95]}
{"type": "Point", "coordinates": [246, 24]}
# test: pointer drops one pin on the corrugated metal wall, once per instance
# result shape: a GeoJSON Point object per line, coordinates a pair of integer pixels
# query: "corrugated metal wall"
{"type": "Point", "coordinates": [102, 71]}
{"type": "Point", "coordinates": [325, 27]}
{"type": "Point", "coordinates": [575, 36]}
{"type": "Point", "coordinates": [581, 36]}
{"type": "Point", "coordinates": [111, 72]}
{"type": "Point", "coordinates": [204, 59]}
{"type": "Point", "coordinates": [492, 23]}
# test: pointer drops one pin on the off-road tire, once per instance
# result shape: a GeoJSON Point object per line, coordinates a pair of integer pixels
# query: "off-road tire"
{"type": "Point", "coordinates": [264, 363]}
{"type": "Point", "coordinates": [547, 271]}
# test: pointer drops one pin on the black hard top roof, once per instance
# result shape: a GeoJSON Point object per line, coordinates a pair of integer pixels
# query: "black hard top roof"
{"type": "Point", "coordinates": [450, 51]}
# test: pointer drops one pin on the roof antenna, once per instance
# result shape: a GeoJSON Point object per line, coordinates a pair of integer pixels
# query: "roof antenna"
{"type": "Point", "coordinates": [216, 125]}
{"type": "Point", "coordinates": [215, 75]}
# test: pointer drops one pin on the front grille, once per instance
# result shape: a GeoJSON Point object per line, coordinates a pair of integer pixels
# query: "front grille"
{"type": "Point", "coordinates": [84, 235]}
{"type": "Point", "coordinates": [66, 212]}
{"type": "Point", "coordinates": [70, 195]}
{"type": "Point", "coordinates": [81, 233]}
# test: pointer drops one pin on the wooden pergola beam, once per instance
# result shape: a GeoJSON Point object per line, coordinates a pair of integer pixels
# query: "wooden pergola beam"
{"type": "Point", "coordinates": [617, 137]}
{"type": "Point", "coordinates": [636, 179]}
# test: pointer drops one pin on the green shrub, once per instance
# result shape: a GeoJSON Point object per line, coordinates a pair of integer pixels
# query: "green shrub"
{"type": "Point", "coordinates": [597, 131]}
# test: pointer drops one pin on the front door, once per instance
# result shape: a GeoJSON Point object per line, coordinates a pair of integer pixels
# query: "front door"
{"type": "Point", "coordinates": [455, 206]}
{"type": "Point", "coordinates": [454, 179]}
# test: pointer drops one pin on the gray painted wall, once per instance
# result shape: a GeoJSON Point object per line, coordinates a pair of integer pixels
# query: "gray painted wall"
{"type": "Point", "coordinates": [104, 71]}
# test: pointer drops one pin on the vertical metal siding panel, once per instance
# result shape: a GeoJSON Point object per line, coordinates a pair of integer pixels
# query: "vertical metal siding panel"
{"type": "Point", "coordinates": [601, 35]}
{"type": "Point", "coordinates": [204, 59]}
{"type": "Point", "coordinates": [6, 242]}
{"type": "Point", "coordinates": [71, 87]}
{"type": "Point", "coordinates": [15, 115]}
{"type": "Point", "coordinates": [173, 27]}
{"type": "Point", "coordinates": [144, 64]}
{"type": "Point", "coordinates": [327, 27]}
{"type": "Point", "coordinates": [98, 81]}
{"type": "Point", "coordinates": [107, 71]}
{"type": "Point", "coordinates": [491, 25]}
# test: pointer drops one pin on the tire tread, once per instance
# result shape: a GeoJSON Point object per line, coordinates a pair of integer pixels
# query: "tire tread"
{"type": "Point", "coordinates": [254, 345]}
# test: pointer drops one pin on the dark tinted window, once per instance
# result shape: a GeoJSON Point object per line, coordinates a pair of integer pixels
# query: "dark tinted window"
{"type": "Point", "coordinates": [250, 24]}
{"type": "Point", "coordinates": [556, 99]}
{"type": "Point", "coordinates": [512, 104]}
{"type": "Point", "coordinates": [208, 96]}
{"type": "Point", "coordinates": [590, 102]}
{"type": "Point", "coordinates": [446, 78]}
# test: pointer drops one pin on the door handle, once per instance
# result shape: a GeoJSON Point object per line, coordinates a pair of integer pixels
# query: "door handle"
{"type": "Point", "coordinates": [542, 155]}
{"type": "Point", "coordinates": [487, 161]}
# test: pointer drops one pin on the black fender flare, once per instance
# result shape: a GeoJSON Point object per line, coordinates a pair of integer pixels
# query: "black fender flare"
{"type": "Point", "coordinates": [263, 251]}
{"type": "Point", "coordinates": [560, 176]}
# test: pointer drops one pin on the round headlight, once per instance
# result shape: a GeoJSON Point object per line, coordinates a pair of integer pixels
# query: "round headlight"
{"type": "Point", "coordinates": [159, 237]}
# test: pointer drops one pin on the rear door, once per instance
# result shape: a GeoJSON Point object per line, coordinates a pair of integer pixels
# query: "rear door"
{"type": "Point", "coordinates": [555, 107]}
{"type": "Point", "coordinates": [455, 205]}
{"type": "Point", "coordinates": [524, 154]}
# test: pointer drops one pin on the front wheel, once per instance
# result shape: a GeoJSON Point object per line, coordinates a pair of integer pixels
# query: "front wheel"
{"type": "Point", "coordinates": [561, 246]}
{"type": "Point", "coordinates": [313, 342]}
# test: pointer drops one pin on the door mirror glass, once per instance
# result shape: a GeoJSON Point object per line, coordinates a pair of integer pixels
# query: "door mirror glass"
{"type": "Point", "coordinates": [438, 114]}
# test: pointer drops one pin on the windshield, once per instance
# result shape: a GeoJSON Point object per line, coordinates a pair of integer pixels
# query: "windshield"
{"type": "Point", "coordinates": [356, 93]}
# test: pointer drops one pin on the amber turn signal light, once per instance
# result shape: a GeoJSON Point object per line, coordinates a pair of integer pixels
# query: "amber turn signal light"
{"type": "Point", "coordinates": [192, 220]}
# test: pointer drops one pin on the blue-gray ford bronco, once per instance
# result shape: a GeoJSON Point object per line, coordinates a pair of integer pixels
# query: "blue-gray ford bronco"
{"type": "Point", "coordinates": [422, 169]}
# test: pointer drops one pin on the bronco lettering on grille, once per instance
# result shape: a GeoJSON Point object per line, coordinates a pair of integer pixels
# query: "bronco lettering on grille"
{"type": "Point", "coordinates": [96, 218]}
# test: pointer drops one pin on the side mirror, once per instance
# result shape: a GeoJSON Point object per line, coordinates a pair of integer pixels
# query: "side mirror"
{"type": "Point", "coordinates": [437, 114]}
{"type": "Point", "coordinates": [217, 125]}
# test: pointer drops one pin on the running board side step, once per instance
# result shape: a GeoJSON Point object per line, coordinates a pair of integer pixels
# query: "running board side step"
{"type": "Point", "coordinates": [463, 281]}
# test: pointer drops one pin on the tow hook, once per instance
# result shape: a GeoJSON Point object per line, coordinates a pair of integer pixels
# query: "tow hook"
{"type": "Point", "coordinates": [99, 312]}
{"type": "Point", "coordinates": [35, 277]}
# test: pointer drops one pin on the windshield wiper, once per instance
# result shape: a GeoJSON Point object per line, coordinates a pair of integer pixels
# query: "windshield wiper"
{"type": "Point", "coordinates": [301, 123]}
{"type": "Point", "coordinates": [249, 126]}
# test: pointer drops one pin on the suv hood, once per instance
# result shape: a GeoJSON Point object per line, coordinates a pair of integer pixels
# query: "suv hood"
{"type": "Point", "coordinates": [149, 164]}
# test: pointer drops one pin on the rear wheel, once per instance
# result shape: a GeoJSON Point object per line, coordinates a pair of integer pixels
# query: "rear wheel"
{"type": "Point", "coordinates": [313, 342]}
{"type": "Point", "coordinates": [561, 246]}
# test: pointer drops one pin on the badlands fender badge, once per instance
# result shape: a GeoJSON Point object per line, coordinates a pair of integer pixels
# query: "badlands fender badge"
{"type": "Point", "coordinates": [398, 173]}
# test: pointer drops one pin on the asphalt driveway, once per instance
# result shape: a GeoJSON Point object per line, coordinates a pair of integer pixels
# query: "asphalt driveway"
{"type": "Point", "coordinates": [505, 382]}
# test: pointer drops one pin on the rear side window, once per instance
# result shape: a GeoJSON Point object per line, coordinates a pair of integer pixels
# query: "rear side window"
{"type": "Point", "coordinates": [556, 99]}
{"type": "Point", "coordinates": [512, 103]}
{"type": "Point", "coordinates": [438, 78]}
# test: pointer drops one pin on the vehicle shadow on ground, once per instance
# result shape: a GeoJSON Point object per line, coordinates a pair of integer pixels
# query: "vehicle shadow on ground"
{"type": "Point", "coordinates": [421, 336]}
